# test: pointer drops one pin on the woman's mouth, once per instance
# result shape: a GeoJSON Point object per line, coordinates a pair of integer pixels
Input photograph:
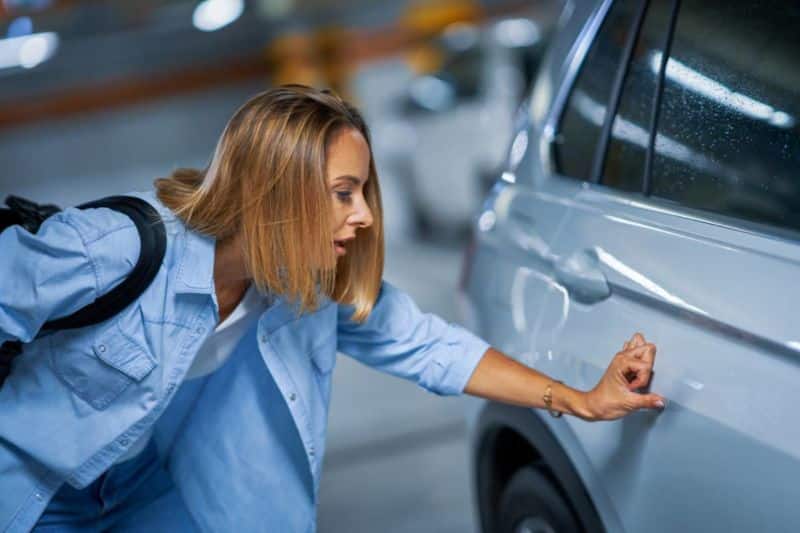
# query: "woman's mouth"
{"type": "Point", "coordinates": [339, 246]}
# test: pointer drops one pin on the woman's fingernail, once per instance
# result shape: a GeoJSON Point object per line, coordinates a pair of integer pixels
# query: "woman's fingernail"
{"type": "Point", "coordinates": [660, 403]}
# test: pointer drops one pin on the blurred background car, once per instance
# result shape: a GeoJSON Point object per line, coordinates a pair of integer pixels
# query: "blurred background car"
{"type": "Point", "coordinates": [651, 186]}
{"type": "Point", "coordinates": [448, 118]}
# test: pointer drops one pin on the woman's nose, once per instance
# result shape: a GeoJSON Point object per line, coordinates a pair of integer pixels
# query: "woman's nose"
{"type": "Point", "coordinates": [362, 217]}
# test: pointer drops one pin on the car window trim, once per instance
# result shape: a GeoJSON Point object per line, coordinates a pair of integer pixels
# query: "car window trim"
{"type": "Point", "coordinates": [612, 106]}
{"type": "Point", "coordinates": [647, 181]}
{"type": "Point", "coordinates": [566, 82]}
{"type": "Point", "coordinates": [763, 230]}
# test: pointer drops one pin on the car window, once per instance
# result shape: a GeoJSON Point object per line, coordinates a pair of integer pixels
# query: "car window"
{"type": "Point", "coordinates": [630, 132]}
{"type": "Point", "coordinates": [582, 122]}
{"type": "Point", "coordinates": [727, 137]}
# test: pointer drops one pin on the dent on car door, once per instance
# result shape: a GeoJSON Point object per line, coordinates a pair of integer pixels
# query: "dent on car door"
{"type": "Point", "coordinates": [704, 262]}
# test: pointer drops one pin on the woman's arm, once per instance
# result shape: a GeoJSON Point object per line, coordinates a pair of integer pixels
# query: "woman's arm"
{"type": "Point", "coordinates": [76, 255]}
{"type": "Point", "coordinates": [42, 275]}
{"type": "Point", "coordinates": [401, 340]}
{"type": "Point", "coordinates": [500, 378]}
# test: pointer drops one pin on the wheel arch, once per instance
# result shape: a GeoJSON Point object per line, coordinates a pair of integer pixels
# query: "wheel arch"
{"type": "Point", "coordinates": [507, 438]}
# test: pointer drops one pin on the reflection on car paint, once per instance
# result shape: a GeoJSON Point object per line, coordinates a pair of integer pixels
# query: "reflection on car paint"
{"type": "Point", "coordinates": [487, 220]}
{"type": "Point", "coordinates": [518, 298]}
{"type": "Point", "coordinates": [643, 281]}
{"type": "Point", "coordinates": [518, 147]}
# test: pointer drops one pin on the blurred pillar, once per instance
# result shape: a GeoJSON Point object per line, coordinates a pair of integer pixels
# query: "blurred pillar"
{"type": "Point", "coordinates": [424, 20]}
{"type": "Point", "coordinates": [293, 58]}
{"type": "Point", "coordinates": [333, 43]}
{"type": "Point", "coordinates": [318, 58]}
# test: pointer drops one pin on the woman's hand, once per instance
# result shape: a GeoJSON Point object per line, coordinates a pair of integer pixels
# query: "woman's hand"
{"type": "Point", "coordinates": [631, 369]}
{"type": "Point", "coordinates": [501, 378]}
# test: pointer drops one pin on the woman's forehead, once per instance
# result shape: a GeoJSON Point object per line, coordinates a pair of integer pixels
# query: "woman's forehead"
{"type": "Point", "coordinates": [348, 155]}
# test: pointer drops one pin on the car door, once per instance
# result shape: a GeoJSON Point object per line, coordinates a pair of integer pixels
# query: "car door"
{"type": "Point", "coordinates": [510, 274]}
{"type": "Point", "coordinates": [686, 227]}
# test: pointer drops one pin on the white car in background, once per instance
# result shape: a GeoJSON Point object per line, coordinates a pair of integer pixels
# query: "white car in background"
{"type": "Point", "coordinates": [440, 137]}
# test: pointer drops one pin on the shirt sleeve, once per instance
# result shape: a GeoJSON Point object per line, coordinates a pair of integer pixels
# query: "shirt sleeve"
{"type": "Point", "coordinates": [42, 276]}
{"type": "Point", "coordinates": [399, 339]}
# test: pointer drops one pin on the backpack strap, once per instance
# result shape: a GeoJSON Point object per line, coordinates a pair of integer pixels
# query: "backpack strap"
{"type": "Point", "coordinates": [153, 238]}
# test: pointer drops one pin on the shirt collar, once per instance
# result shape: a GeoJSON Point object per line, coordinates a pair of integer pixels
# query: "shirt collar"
{"type": "Point", "coordinates": [196, 271]}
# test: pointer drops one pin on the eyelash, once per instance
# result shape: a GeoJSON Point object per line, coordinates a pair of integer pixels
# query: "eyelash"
{"type": "Point", "coordinates": [343, 196]}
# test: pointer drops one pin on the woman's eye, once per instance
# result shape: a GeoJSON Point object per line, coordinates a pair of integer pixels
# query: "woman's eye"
{"type": "Point", "coordinates": [343, 195]}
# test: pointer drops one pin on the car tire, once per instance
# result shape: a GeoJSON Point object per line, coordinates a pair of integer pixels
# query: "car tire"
{"type": "Point", "coordinates": [531, 503]}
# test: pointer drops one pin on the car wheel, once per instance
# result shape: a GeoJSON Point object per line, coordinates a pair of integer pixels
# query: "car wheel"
{"type": "Point", "coordinates": [531, 503]}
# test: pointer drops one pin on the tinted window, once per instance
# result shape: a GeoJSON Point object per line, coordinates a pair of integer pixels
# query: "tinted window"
{"type": "Point", "coordinates": [585, 112]}
{"type": "Point", "coordinates": [728, 128]}
{"type": "Point", "coordinates": [630, 133]}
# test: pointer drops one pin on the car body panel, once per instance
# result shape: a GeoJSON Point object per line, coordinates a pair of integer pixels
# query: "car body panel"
{"type": "Point", "coordinates": [726, 351]}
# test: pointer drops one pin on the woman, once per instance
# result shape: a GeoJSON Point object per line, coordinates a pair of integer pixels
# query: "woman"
{"type": "Point", "coordinates": [203, 405]}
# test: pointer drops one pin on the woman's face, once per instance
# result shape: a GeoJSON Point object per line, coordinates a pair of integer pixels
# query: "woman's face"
{"type": "Point", "coordinates": [347, 171]}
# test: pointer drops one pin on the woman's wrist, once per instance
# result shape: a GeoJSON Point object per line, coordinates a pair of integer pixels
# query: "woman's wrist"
{"type": "Point", "coordinates": [571, 401]}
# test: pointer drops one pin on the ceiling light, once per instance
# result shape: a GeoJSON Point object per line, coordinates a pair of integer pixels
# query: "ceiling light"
{"type": "Point", "coordinates": [28, 51]}
{"type": "Point", "coordinates": [211, 15]}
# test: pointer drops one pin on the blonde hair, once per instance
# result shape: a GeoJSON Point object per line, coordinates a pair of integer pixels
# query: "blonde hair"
{"type": "Point", "coordinates": [266, 183]}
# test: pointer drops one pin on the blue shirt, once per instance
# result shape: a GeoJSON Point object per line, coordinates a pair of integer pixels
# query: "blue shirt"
{"type": "Point", "coordinates": [245, 444]}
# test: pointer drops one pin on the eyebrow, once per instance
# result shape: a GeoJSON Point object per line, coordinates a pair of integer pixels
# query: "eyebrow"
{"type": "Point", "coordinates": [352, 179]}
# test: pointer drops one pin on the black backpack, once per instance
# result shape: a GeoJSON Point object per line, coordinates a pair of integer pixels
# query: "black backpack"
{"type": "Point", "coordinates": [153, 239]}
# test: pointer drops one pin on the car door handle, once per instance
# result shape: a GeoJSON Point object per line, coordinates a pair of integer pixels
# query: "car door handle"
{"type": "Point", "coordinates": [580, 273]}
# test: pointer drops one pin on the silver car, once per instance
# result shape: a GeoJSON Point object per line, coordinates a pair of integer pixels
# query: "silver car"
{"type": "Point", "coordinates": [653, 185]}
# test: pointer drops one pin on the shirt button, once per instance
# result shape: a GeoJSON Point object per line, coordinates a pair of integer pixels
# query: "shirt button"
{"type": "Point", "coordinates": [39, 496]}
{"type": "Point", "coordinates": [201, 330]}
{"type": "Point", "coordinates": [124, 441]}
{"type": "Point", "coordinates": [101, 347]}
{"type": "Point", "coordinates": [311, 452]}
{"type": "Point", "coordinates": [292, 396]}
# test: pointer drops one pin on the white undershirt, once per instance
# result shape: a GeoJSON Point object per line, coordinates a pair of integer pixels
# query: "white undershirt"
{"type": "Point", "coordinates": [220, 344]}
{"type": "Point", "coordinates": [216, 349]}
